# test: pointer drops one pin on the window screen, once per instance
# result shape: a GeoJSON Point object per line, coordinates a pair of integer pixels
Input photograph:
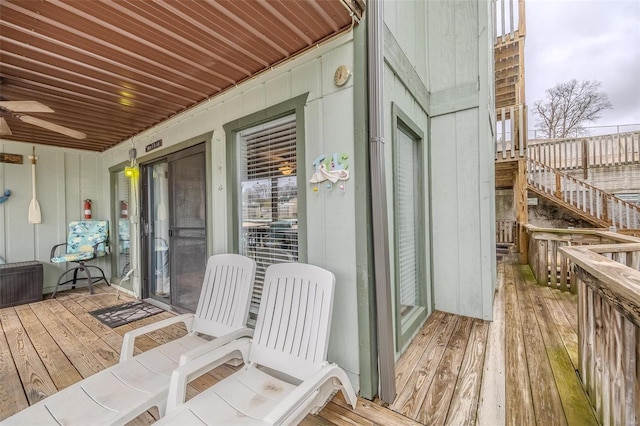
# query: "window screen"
{"type": "Point", "coordinates": [411, 280]}
{"type": "Point", "coordinates": [269, 201]}
{"type": "Point", "coordinates": [407, 227]}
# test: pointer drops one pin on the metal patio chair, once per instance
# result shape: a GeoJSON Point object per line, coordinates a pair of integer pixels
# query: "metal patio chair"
{"type": "Point", "coordinates": [87, 240]}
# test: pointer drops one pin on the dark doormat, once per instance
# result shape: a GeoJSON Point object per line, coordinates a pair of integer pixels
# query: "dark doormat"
{"type": "Point", "coordinates": [118, 315]}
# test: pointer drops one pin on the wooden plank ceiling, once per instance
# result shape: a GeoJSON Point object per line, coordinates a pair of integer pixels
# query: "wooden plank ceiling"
{"type": "Point", "coordinates": [113, 68]}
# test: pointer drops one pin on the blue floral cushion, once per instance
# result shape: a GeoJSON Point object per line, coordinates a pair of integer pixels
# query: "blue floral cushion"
{"type": "Point", "coordinates": [73, 257]}
{"type": "Point", "coordinates": [83, 235]}
{"type": "Point", "coordinates": [123, 235]}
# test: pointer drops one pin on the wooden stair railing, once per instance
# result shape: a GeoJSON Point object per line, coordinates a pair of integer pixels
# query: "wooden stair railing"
{"type": "Point", "coordinates": [587, 152]}
{"type": "Point", "coordinates": [588, 202]}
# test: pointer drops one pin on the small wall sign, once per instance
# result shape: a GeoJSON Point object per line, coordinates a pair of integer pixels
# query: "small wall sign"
{"type": "Point", "coordinates": [332, 169]}
{"type": "Point", "coordinates": [153, 145]}
{"type": "Point", "coordinates": [11, 158]}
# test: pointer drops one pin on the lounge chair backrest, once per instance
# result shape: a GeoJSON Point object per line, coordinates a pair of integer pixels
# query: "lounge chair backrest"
{"type": "Point", "coordinates": [84, 234]}
{"type": "Point", "coordinates": [224, 299]}
{"type": "Point", "coordinates": [294, 319]}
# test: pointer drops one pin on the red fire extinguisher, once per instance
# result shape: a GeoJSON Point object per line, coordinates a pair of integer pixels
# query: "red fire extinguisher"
{"type": "Point", "coordinates": [124, 209]}
{"type": "Point", "coordinates": [87, 209]}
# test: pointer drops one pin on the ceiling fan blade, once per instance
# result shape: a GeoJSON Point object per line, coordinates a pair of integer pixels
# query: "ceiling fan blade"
{"type": "Point", "coordinates": [25, 106]}
{"type": "Point", "coordinates": [51, 126]}
{"type": "Point", "coordinates": [4, 127]}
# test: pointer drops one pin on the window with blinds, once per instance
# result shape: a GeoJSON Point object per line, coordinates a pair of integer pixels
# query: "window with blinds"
{"type": "Point", "coordinates": [268, 225]}
{"type": "Point", "coordinates": [410, 204]}
{"type": "Point", "coordinates": [407, 226]}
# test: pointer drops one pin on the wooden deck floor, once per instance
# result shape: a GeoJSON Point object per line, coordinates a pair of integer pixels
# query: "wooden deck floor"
{"type": "Point", "coordinates": [517, 370]}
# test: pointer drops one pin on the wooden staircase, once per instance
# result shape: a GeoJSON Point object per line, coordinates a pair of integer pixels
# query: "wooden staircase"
{"type": "Point", "coordinates": [586, 201]}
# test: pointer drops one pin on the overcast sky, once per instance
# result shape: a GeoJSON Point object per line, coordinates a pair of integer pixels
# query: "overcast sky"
{"type": "Point", "coordinates": [585, 40]}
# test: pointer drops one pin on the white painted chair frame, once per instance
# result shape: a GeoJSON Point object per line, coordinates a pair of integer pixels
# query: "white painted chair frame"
{"type": "Point", "coordinates": [136, 384]}
{"type": "Point", "coordinates": [286, 375]}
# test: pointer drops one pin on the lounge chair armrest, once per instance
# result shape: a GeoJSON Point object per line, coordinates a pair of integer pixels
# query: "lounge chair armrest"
{"type": "Point", "coordinates": [129, 338]}
{"type": "Point", "coordinates": [54, 248]}
{"type": "Point", "coordinates": [289, 405]}
{"type": "Point", "coordinates": [215, 344]}
{"type": "Point", "coordinates": [182, 375]}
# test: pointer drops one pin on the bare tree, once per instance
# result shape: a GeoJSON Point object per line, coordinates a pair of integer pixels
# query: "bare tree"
{"type": "Point", "coordinates": [568, 106]}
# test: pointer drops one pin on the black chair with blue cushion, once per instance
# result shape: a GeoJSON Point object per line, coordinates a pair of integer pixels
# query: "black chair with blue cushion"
{"type": "Point", "coordinates": [87, 240]}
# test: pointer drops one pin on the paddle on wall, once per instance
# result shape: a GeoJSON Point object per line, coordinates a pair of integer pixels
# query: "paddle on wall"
{"type": "Point", "coordinates": [34, 206]}
{"type": "Point", "coordinates": [6, 196]}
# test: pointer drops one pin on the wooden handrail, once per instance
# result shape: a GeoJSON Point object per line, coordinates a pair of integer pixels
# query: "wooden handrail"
{"type": "Point", "coordinates": [604, 268]}
{"type": "Point", "coordinates": [545, 245]}
{"type": "Point", "coordinates": [603, 207]}
{"type": "Point", "coordinates": [604, 236]}
{"type": "Point", "coordinates": [617, 282]}
{"type": "Point", "coordinates": [585, 152]}
{"type": "Point", "coordinates": [609, 328]}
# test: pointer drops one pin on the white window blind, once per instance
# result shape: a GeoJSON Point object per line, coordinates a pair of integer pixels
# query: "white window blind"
{"type": "Point", "coordinates": [407, 220]}
{"type": "Point", "coordinates": [269, 202]}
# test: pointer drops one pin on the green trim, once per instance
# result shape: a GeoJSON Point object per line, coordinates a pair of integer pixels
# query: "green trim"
{"type": "Point", "coordinates": [418, 314]}
{"type": "Point", "coordinates": [429, 216]}
{"type": "Point", "coordinates": [154, 155]}
{"type": "Point", "coordinates": [145, 161]}
{"type": "Point", "coordinates": [401, 65]}
{"type": "Point", "coordinates": [367, 329]}
{"type": "Point", "coordinates": [118, 167]}
{"type": "Point", "coordinates": [207, 140]}
{"type": "Point", "coordinates": [208, 170]}
{"type": "Point", "coordinates": [459, 98]}
{"type": "Point", "coordinates": [231, 129]}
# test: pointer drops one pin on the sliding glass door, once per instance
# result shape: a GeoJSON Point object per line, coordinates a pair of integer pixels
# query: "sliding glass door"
{"type": "Point", "coordinates": [174, 227]}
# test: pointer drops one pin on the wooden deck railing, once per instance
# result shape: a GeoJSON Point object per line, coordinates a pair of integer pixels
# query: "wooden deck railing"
{"type": "Point", "coordinates": [511, 142]}
{"type": "Point", "coordinates": [509, 19]}
{"type": "Point", "coordinates": [511, 112]}
{"type": "Point", "coordinates": [608, 284]}
{"type": "Point", "coordinates": [505, 231]}
{"type": "Point", "coordinates": [583, 153]}
{"type": "Point", "coordinates": [544, 256]}
{"type": "Point", "coordinates": [591, 203]}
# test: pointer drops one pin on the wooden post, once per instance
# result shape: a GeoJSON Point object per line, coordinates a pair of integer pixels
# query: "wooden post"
{"type": "Point", "coordinates": [513, 131]}
{"type": "Point", "coordinates": [521, 130]}
{"type": "Point", "coordinates": [558, 193]}
{"type": "Point", "coordinates": [523, 244]}
{"type": "Point", "coordinates": [553, 266]}
{"type": "Point", "coordinates": [504, 130]}
{"type": "Point", "coordinates": [585, 159]}
{"type": "Point", "coordinates": [522, 217]}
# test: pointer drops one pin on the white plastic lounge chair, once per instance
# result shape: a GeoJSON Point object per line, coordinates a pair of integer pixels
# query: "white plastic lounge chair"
{"type": "Point", "coordinates": [286, 375]}
{"type": "Point", "coordinates": [122, 392]}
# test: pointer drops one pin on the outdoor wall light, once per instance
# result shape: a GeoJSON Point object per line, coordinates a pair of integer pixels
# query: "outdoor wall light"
{"type": "Point", "coordinates": [131, 172]}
